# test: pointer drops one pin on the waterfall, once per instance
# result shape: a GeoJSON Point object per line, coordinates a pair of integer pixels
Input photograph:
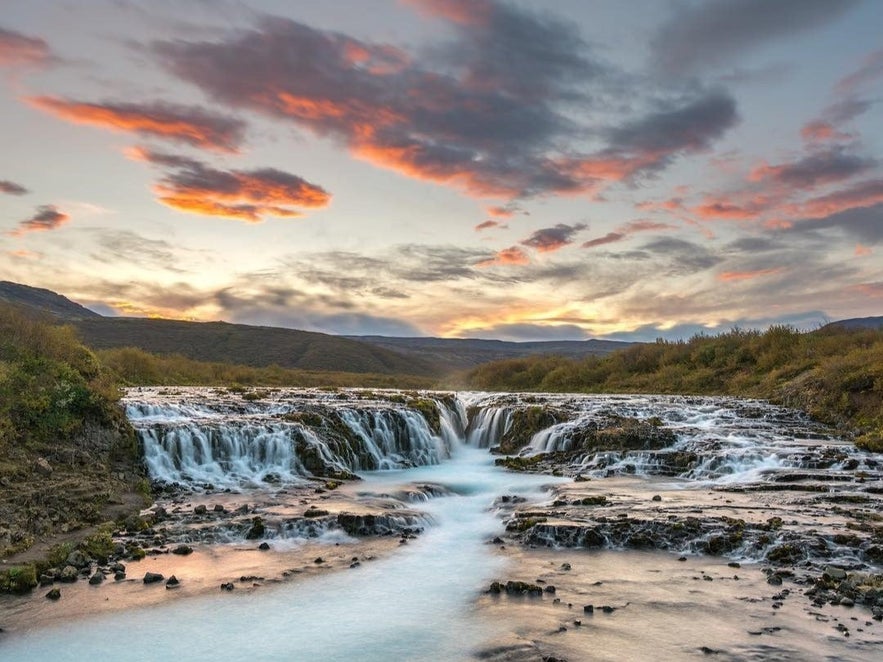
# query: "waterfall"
{"type": "Point", "coordinates": [489, 425]}
{"type": "Point", "coordinates": [196, 437]}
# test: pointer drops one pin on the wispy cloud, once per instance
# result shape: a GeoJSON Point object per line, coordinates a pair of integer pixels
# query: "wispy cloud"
{"type": "Point", "coordinates": [11, 188]}
{"type": "Point", "coordinates": [734, 276]}
{"type": "Point", "coordinates": [189, 125]}
{"type": "Point", "coordinates": [551, 239]}
{"type": "Point", "coordinates": [17, 49]}
{"type": "Point", "coordinates": [506, 257]}
{"type": "Point", "coordinates": [247, 195]}
{"type": "Point", "coordinates": [707, 34]}
{"type": "Point", "coordinates": [47, 217]}
{"type": "Point", "coordinates": [627, 230]}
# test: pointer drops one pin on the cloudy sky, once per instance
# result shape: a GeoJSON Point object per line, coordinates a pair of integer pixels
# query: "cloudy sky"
{"type": "Point", "coordinates": [479, 168]}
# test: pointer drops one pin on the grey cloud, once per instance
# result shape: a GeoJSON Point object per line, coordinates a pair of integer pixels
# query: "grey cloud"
{"type": "Point", "coordinates": [821, 167]}
{"type": "Point", "coordinates": [862, 224]}
{"type": "Point", "coordinates": [490, 112]}
{"type": "Point", "coordinates": [551, 239]}
{"type": "Point", "coordinates": [683, 257]}
{"type": "Point", "coordinates": [703, 34]}
{"type": "Point", "coordinates": [691, 126]}
{"type": "Point", "coordinates": [11, 188]}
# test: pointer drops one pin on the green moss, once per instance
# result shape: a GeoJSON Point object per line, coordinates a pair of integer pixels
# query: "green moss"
{"type": "Point", "coordinates": [99, 545]}
{"type": "Point", "coordinates": [18, 579]}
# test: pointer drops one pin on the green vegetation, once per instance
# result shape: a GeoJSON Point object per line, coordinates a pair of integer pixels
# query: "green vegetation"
{"type": "Point", "coordinates": [136, 367]}
{"type": "Point", "coordinates": [835, 375]}
{"type": "Point", "coordinates": [68, 459]}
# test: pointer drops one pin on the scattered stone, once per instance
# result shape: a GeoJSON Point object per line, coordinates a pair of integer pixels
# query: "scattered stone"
{"type": "Point", "coordinates": [708, 651]}
{"type": "Point", "coordinates": [682, 558]}
{"type": "Point", "coordinates": [607, 609]}
{"type": "Point", "coordinates": [172, 582]}
{"type": "Point", "coordinates": [656, 497]}
{"type": "Point", "coordinates": [227, 586]}
{"type": "Point", "coordinates": [318, 560]}
{"type": "Point", "coordinates": [200, 509]}
{"type": "Point", "coordinates": [97, 578]}
{"type": "Point", "coordinates": [589, 609]}
{"type": "Point", "coordinates": [153, 577]}
{"type": "Point", "coordinates": [257, 529]}
{"type": "Point", "coordinates": [549, 589]}
{"type": "Point", "coordinates": [219, 508]}
{"type": "Point", "coordinates": [54, 594]}
{"type": "Point", "coordinates": [77, 559]}
{"type": "Point", "coordinates": [42, 466]}
{"type": "Point", "coordinates": [183, 550]}
{"type": "Point", "coordinates": [119, 576]}
{"type": "Point", "coordinates": [312, 512]}
{"type": "Point", "coordinates": [264, 546]}
{"type": "Point", "coordinates": [833, 572]}
{"type": "Point", "coordinates": [69, 574]}
{"type": "Point", "coordinates": [565, 566]}
{"type": "Point", "coordinates": [734, 564]}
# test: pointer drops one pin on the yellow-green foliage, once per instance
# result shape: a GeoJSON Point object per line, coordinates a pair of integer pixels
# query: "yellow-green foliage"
{"type": "Point", "coordinates": [136, 367]}
{"type": "Point", "coordinates": [50, 385]}
{"type": "Point", "coordinates": [834, 374]}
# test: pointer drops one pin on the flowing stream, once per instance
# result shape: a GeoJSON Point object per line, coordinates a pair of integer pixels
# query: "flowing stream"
{"type": "Point", "coordinates": [424, 464]}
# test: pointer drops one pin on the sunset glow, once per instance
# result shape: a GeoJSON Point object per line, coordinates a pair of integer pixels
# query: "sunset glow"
{"type": "Point", "coordinates": [493, 168]}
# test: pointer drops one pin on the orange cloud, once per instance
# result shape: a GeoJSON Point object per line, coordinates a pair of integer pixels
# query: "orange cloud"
{"type": "Point", "coordinates": [487, 225]}
{"type": "Point", "coordinates": [508, 256]}
{"type": "Point", "coordinates": [863, 194]}
{"type": "Point", "coordinates": [734, 276]}
{"type": "Point", "coordinates": [17, 49]}
{"type": "Point", "coordinates": [247, 195]}
{"type": "Point", "coordinates": [861, 250]}
{"type": "Point", "coordinates": [630, 228]}
{"type": "Point", "coordinates": [609, 238]}
{"type": "Point", "coordinates": [185, 124]}
{"type": "Point", "coordinates": [48, 217]}
{"type": "Point", "coordinates": [724, 210]}
{"type": "Point", "coordinates": [819, 131]}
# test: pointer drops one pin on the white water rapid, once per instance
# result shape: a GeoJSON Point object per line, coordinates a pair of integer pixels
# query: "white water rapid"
{"type": "Point", "coordinates": [646, 508]}
{"type": "Point", "coordinates": [415, 605]}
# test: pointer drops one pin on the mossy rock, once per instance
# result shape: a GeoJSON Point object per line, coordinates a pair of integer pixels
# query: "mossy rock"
{"type": "Point", "coordinates": [527, 422]}
{"type": "Point", "coordinates": [19, 579]}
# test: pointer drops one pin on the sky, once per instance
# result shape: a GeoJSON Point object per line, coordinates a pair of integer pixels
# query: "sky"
{"type": "Point", "coordinates": [516, 169]}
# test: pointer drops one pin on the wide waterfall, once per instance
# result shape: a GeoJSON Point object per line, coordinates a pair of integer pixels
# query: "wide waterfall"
{"type": "Point", "coordinates": [378, 524]}
{"type": "Point", "coordinates": [206, 437]}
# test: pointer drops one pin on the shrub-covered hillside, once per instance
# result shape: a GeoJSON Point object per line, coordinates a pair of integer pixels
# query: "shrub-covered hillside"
{"type": "Point", "coordinates": [68, 459]}
{"type": "Point", "coordinates": [836, 375]}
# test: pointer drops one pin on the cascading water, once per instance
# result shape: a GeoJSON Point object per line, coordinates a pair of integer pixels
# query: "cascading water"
{"type": "Point", "coordinates": [437, 477]}
{"type": "Point", "coordinates": [207, 439]}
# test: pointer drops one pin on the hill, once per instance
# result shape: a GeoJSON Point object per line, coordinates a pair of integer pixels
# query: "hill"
{"type": "Point", "coordinates": [241, 344]}
{"type": "Point", "coordinates": [464, 353]}
{"type": "Point", "coordinates": [45, 301]}
{"type": "Point", "coordinates": [857, 323]}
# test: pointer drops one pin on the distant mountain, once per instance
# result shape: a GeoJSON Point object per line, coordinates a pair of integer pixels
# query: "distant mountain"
{"type": "Point", "coordinates": [248, 345]}
{"type": "Point", "coordinates": [44, 301]}
{"type": "Point", "coordinates": [858, 323]}
{"type": "Point", "coordinates": [460, 353]}
{"type": "Point", "coordinates": [261, 346]}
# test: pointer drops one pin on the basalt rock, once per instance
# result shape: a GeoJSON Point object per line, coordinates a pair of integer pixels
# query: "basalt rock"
{"type": "Point", "coordinates": [153, 577]}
